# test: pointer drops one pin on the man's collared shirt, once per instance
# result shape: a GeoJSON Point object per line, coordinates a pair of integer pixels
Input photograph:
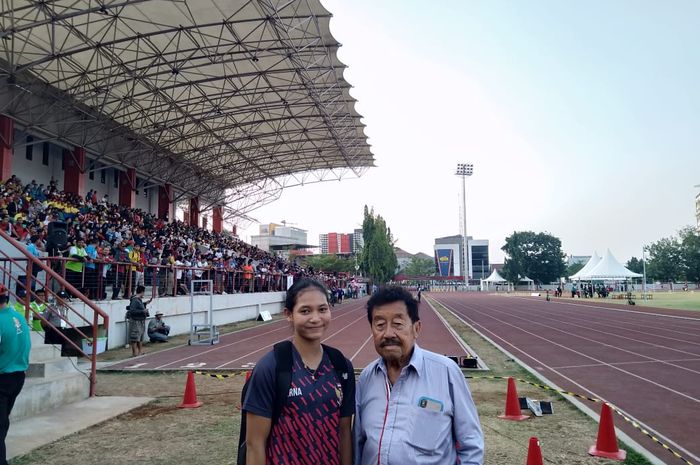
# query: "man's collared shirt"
{"type": "Point", "coordinates": [427, 417]}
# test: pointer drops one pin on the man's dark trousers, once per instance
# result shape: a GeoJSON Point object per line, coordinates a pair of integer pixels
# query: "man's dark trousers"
{"type": "Point", "coordinates": [10, 387]}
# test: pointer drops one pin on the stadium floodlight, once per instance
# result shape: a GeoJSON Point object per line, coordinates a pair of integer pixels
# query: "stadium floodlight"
{"type": "Point", "coordinates": [464, 170]}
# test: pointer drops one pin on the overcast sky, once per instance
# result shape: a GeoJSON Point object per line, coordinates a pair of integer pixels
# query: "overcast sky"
{"type": "Point", "coordinates": [582, 119]}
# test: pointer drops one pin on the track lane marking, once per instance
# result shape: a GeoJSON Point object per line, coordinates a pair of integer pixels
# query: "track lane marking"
{"type": "Point", "coordinates": [283, 325]}
{"type": "Point", "coordinates": [474, 326]}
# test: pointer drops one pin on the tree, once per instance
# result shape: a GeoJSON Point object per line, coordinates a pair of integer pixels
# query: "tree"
{"type": "Point", "coordinates": [378, 259]}
{"type": "Point", "coordinates": [420, 267]}
{"type": "Point", "coordinates": [574, 268]}
{"type": "Point", "coordinates": [330, 263]}
{"type": "Point", "coordinates": [635, 264]}
{"type": "Point", "coordinates": [690, 253]}
{"type": "Point", "coordinates": [665, 260]}
{"type": "Point", "coordinates": [535, 255]}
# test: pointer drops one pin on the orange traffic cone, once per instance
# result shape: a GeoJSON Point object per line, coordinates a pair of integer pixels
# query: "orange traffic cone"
{"type": "Point", "coordinates": [534, 453]}
{"type": "Point", "coordinates": [513, 404]}
{"type": "Point", "coordinates": [189, 400]}
{"type": "Point", "coordinates": [606, 445]}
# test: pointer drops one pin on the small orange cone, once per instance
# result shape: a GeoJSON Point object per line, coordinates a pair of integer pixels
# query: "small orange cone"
{"type": "Point", "coordinates": [606, 445]}
{"type": "Point", "coordinates": [534, 453]}
{"type": "Point", "coordinates": [189, 400]}
{"type": "Point", "coordinates": [513, 404]}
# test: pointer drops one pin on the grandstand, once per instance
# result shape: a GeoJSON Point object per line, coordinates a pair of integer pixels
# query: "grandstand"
{"type": "Point", "coordinates": [115, 115]}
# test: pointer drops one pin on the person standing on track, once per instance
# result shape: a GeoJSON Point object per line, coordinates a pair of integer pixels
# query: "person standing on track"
{"type": "Point", "coordinates": [15, 344]}
{"type": "Point", "coordinates": [413, 406]}
{"type": "Point", "coordinates": [314, 424]}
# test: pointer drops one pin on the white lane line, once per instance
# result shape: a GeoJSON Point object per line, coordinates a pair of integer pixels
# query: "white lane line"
{"type": "Point", "coordinates": [460, 341]}
{"type": "Point", "coordinates": [270, 345]}
{"type": "Point", "coordinates": [284, 326]}
{"type": "Point", "coordinates": [568, 333]}
{"type": "Point", "coordinates": [549, 316]}
{"type": "Point", "coordinates": [678, 393]}
{"type": "Point", "coordinates": [642, 362]}
{"type": "Point", "coordinates": [619, 310]}
{"type": "Point", "coordinates": [474, 326]}
{"type": "Point", "coordinates": [369, 338]}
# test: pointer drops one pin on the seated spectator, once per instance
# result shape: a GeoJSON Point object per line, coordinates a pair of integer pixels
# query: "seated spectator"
{"type": "Point", "coordinates": [158, 331]}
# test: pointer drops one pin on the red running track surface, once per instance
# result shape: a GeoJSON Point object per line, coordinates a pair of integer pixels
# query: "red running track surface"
{"type": "Point", "coordinates": [349, 331]}
{"type": "Point", "coordinates": [644, 361]}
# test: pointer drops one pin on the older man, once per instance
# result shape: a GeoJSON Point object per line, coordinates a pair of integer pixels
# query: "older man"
{"type": "Point", "coordinates": [158, 331]}
{"type": "Point", "coordinates": [413, 406]}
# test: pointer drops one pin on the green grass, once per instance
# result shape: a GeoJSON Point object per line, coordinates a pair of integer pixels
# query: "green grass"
{"type": "Point", "coordinates": [679, 300]}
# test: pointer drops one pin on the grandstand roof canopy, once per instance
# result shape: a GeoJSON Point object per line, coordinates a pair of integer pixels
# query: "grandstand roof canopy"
{"type": "Point", "coordinates": [231, 100]}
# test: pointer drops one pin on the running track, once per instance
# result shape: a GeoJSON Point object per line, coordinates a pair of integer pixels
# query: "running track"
{"type": "Point", "coordinates": [645, 361]}
{"type": "Point", "coordinates": [349, 331]}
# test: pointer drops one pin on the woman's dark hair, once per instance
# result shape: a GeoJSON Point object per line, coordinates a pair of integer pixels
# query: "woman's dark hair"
{"type": "Point", "coordinates": [300, 286]}
{"type": "Point", "coordinates": [4, 298]}
{"type": "Point", "coordinates": [389, 295]}
{"type": "Point", "coordinates": [140, 289]}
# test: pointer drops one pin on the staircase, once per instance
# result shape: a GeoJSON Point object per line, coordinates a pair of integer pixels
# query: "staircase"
{"type": "Point", "coordinates": [52, 381]}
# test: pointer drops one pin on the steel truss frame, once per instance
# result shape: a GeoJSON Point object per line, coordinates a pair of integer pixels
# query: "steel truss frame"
{"type": "Point", "coordinates": [229, 100]}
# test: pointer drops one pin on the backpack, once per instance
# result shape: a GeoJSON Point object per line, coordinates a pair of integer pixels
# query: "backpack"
{"type": "Point", "coordinates": [283, 381]}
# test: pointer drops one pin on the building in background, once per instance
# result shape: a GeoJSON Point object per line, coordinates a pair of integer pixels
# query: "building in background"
{"type": "Point", "coordinates": [337, 243]}
{"type": "Point", "coordinates": [450, 259]}
{"type": "Point", "coordinates": [358, 241]}
{"type": "Point", "coordinates": [286, 240]}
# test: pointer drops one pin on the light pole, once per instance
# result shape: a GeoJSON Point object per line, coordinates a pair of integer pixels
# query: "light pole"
{"type": "Point", "coordinates": [644, 273]}
{"type": "Point", "coordinates": [464, 170]}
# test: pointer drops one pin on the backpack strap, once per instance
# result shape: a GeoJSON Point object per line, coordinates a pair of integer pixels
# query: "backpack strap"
{"type": "Point", "coordinates": [283, 377]}
{"type": "Point", "coordinates": [341, 367]}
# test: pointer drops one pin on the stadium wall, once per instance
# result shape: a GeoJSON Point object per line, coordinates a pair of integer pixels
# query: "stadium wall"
{"type": "Point", "coordinates": [176, 312]}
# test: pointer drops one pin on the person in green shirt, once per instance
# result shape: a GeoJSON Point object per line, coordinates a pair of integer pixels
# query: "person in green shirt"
{"type": "Point", "coordinates": [14, 360]}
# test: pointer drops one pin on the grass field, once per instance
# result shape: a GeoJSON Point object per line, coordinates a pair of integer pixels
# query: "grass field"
{"type": "Point", "coordinates": [680, 300]}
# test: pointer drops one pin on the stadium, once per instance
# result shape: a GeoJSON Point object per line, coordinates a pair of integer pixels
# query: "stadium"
{"type": "Point", "coordinates": [139, 137]}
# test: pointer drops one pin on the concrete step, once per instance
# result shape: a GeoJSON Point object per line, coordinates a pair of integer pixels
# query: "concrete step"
{"type": "Point", "coordinates": [44, 352]}
{"type": "Point", "coordinates": [58, 366]}
{"type": "Point", "coordinates": [37, 431]}
{"type": "Point", "coordinates": [42, 394]}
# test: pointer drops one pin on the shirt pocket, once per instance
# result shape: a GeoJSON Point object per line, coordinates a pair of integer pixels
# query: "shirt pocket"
{"type": "Point", "coordinates": [429, 430]}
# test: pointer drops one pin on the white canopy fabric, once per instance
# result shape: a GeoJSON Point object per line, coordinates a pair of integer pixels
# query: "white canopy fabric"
{"type": "Point", "coordinates": [610, 268]}
{"type": "Point", "coordinates": [525, 279]}
{"type": "Point", "coordinates": [494, 277]}
{"type": "Point", "coordinates": [590, 264]}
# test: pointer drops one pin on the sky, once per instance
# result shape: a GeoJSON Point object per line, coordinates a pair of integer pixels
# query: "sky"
{"type": "Point", "coordinates": [582, 119]}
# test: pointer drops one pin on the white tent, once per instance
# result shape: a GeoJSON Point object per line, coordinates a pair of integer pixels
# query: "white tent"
{"type": "Point", "coordinates": [609, 268]}
{"type": "Point", "coordinates": [525, 279]}
{"type": "Point", "coordinates": [590, 264]}
{"type": "Point", "coordinates": [494, 277]}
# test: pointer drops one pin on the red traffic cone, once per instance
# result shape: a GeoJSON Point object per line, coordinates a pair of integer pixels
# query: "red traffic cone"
{"type": "Point", "coordinates": [606, 445]}
{"type": "Point", "coordinates": [513, 404]}
{"type": "Point", "coordinates": [534, 453]}
{"type": "Point", "coordinates": [189, 400]}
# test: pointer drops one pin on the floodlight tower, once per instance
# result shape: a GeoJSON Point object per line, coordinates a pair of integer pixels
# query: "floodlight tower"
{"type": "Point", "coordinates": [464, 170]}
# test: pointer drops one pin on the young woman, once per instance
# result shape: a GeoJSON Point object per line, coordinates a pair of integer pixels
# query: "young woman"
{"type": "Point", "coordinates": [314, 425]}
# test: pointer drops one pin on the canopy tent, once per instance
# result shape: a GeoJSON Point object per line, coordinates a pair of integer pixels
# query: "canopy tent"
{"type": "Point", "coordinates": [525, 279]}
{"type": "Point", "coordinates": [609, 268]}
{"type": "Point", "coordinates": [494, 277]}
{"type": "Point", "coordinates": [590, 264]}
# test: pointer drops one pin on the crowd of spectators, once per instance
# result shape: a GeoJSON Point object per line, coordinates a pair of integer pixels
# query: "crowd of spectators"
{"type": "Point", "coordinates": [111, 245]}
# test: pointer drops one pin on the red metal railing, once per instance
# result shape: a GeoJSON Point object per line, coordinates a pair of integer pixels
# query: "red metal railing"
{"type": "Point", "coordinates": [123, 277]}
{"type": "Point", "coordinates": [14, 267]}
